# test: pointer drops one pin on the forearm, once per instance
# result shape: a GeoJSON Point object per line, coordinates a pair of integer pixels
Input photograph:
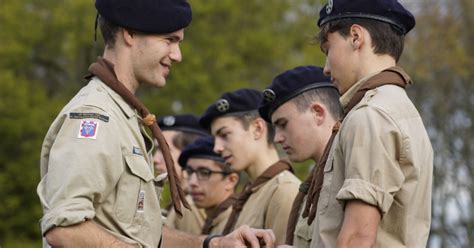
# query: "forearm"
{"type": "Point", "coordinates": [175, 238]}
{"type": "Point", "coordinates": [87, 234]}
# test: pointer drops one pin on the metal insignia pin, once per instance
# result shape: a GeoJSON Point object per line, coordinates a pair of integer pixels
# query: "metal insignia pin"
{"type": "Point", "coordinates": [329, 7]}
{"type": "Point", "coordinates": [169, 121]}
{"type": "Point", "coordinates": [269, 95]}
{"type": "Point", "coordinates": [222, 105]}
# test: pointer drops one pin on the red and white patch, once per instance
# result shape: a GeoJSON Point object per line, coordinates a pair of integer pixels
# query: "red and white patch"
{"type": "Point", "coordinates": [141, 202]}
{"type": "Point", "coordinates": [88, 130]}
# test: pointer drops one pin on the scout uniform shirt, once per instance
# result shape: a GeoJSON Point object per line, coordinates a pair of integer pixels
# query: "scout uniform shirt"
{"type": "Point", "coordinates": [192, 220]}
{"type": "Point", "coordinates": [96, 166]}
{"type": "Point", "coordinates": [382, 156]}
{"type": "Point", "coordinates": [303, 232]}
{"type": "Point", "coordinates": [270, 204]}
{"type": "Point", "coordinates": [218, 224]}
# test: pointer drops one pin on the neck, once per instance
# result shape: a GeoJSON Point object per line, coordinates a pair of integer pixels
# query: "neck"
{"type": "Point", "coordinates": [325, 139]}
{"type": "Point", "coordinates": [121, 67]}
{"type": "Point", "coordinates": [264, 160]}
{"type": "Point", "coordinates": [375, 63]}
{"type": "Point", "coordinates": [210, 210]}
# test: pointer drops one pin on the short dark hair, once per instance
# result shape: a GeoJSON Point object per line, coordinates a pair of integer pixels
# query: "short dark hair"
{"type": "Point", "coordinates": [327, 96]}
{"type": "Point", "coordinates": [247, 117]}
{"type": "Point", "coordinates": [108, 30]}
{"type": "Point", "coordinates": [182, 139]}
{"type": "Point", "coordinates": [385, 38]}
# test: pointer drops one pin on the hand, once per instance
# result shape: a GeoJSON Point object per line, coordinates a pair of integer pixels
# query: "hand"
{"type": "Point", "coordinates": [245, 236]}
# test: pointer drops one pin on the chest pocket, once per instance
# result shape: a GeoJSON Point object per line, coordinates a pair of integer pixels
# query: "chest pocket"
{"type": "Point", "coordinates": [328, 179]}
{"type": "Point", "coordinates": [303, 232]}
{"type": "Point", "coordinates": [132, 191]}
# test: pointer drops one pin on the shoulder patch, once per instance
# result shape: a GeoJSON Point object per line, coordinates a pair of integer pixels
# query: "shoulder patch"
{"type": "Point", "coordinates": [97, 116]}
{"type": "Point", "coordinates": [88, 130]}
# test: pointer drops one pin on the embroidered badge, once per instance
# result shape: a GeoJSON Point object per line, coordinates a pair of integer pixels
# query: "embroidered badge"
{"type": "Point", "coordinates": [269, 95]}
{"type": "Point", "coordinates": [137, 151]}
{"type": "Point", "coordinates": [97, 116]}
{"type": "Point", "coordinates": [329, 7]}
{"type": "Point", "coordinates": [88, 130]}
{"type": "Point", "coordinates": [169, 121]}
{"type": "Point", "coordinates": [141, 202]}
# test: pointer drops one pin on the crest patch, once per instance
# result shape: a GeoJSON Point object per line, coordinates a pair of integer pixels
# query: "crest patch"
{"type": "Point", "coordinates": [141, 202]}
{"type": "Point", "coordinates": [88, 130]}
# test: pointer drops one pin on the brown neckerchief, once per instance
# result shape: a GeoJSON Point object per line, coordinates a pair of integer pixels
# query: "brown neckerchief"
{"type": "Point", "coordinates": [206, 229]}
{"type": "Point", "coordinates": [242, 198]}
{"type": "Point", "coordinates": [104, 70]}
{"type": "Point", "coordinates": [295, 208]}
{"type": "Point", "coordinates": [391, 76]}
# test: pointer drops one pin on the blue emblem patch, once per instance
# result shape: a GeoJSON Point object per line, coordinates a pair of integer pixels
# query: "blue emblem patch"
{"type": "Point", "coordinates": [88, 130]}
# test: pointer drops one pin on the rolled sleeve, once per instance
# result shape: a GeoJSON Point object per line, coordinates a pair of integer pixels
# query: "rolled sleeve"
{"type": "Point", "coordinates": [372, 144]}
{"type": "Point", "coordinates": [79, 173]}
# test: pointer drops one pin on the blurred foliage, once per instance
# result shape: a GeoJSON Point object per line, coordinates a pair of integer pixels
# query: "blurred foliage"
{"type": "Point", "coordinates": [46, 47]}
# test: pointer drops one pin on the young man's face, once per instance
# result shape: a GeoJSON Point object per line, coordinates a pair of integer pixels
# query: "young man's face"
{"type": "Point", "coordinates": [299, 133]}
{"type": "Point", "coordinates": [159, 161]}
{"type": "Point", "coordinates": [340, 61]}
{"type": "Point", "coordinates": [233, 142]}
{"type": "Point", "coordinates": [153, 56]}
{"type": "Point", "coordinates": [210, 192]}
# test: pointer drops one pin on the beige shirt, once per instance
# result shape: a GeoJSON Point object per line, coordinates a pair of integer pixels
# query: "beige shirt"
{"type": "Point", "coordinates": [382, 156]}
{"type": "Point", "coordinates": [270, 205]}
{"type": "Point", "coordinates": [96, 166]}
{"type": "Point", "coordinates": [192, 220]}
{"type": "Point", "coordinates": [218, 224]}
{"type": "Point", "coordinates": [303, 232]}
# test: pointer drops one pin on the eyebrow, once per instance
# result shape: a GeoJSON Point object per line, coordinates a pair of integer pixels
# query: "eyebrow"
{"type": "Point", "coordinates": [278, 121]}
{"type": "Point", "coordinates": [219, 131]}
{"type": "Point", "coordinates": [174, 37]}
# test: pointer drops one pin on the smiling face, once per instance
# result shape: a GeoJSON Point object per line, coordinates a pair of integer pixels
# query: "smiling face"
{"type": "Point", "coordinates": [153, 56]}
{"type": "Point", "coordinates": [236, 145]}
{"type": "Point", "coordinates": [210, 192]}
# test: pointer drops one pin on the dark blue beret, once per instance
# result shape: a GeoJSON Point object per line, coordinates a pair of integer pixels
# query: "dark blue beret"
{"type": "Point", "coordinates": [290, 84]}
{"type": "Point", "coordinates": [200, 148]}
{"type": "Point", "coordinates": [185, 123]}
{"type": "Point", "coordinates": [389, 11]}
{"type": "Point", "coordinates": [148, 16]}
{"type": "Point", "coordinates": [239, 101]}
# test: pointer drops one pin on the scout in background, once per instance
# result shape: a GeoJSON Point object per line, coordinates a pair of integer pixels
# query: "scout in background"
{"type": "Point", "coordinates": [180, 131]}
{"type": "Point", "coordinates": [211, 183]}
{"type": "Point", "coordinates": [245, 141]}
{"type": "Point", "coordinates": [303, 106]}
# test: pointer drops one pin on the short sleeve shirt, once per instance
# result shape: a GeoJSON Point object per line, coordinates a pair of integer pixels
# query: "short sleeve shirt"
{"type": "Point", "coordinates": [96, 165]}
{"type": "Point", "coordinates": [382, 156]}
{"type": "Point", "coordinates": [270, 204]}
{"type": "Point", "coordinates": [303, 233]}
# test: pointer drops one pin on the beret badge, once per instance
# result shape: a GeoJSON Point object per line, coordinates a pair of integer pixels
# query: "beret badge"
{"type": "Point", "coordinates": [269, 95]}
{"type": "Point", "coordinates": [222, 105]}
{"type": "Point", "coordinates": [169, 121]}
{"type": "Point", "coordinates": [329, 7]}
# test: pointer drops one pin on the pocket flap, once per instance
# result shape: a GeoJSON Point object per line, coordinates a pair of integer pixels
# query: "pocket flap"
{"type": "Point", "coordinates": [139, 167]}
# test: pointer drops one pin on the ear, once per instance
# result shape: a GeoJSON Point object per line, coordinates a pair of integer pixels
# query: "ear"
{"type": "Point", "coordinates": [319, 112]}
{"type": "Point", "coordinates": [128, 36]}
{"type": "Point", "coordinates": [357, 36]}
{"type": "Point", "coordinates": [232, 181]}
{"type": "Point", "coordinates": [259, 128]}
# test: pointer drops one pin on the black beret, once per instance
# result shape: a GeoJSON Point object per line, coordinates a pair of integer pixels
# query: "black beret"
{"type": "Point", "coordinates": [239, 101]}
{"type": "Point", "coordinates": [389, 11]}
{"type": "Point", "coordinates": [185, 123]}
{"type": "Point", "coordinates": [200, 148]}
{"type": "Point", "coordinates": [148, 16]}
{"type": "Point", "coordinates": [290, 84]}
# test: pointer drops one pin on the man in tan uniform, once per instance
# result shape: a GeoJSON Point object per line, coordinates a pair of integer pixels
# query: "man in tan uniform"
{"type": "Point", "coordinates": [211, 183]}
{"type": "Point", "coordinates": [97, 184]}
{"type": "Point", "coordinates": [376, 190]}
{"type": "Point", "coordinates": [180, 131]}
{"type": "Point", "coordinates": [303, 106]}
{"type": "Point", "coordinates": [245, 141]}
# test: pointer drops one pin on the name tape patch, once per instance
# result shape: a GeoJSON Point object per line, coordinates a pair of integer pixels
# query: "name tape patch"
{"type": "Point", "coordinates": [97, 116]}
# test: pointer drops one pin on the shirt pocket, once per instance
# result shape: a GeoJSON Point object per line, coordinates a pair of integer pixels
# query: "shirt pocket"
{"type": "Point", "coordinates": [132, 190]}
{"type": "Point", "coordinates": [326, 188]}
{"type": "Point", "coordinates": [303, 231]}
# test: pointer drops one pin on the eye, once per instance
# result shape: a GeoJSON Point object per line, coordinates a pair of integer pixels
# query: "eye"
{"type": "Point", "coordinates": [204, 172]}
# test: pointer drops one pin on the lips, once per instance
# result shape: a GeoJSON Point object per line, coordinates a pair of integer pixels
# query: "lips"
{"type": "Point", "coordinates": [227, 159]}
{"type": "Point", "coordinates": [197, 196]}
{"type": "Point", "coordinates": [166, 68]}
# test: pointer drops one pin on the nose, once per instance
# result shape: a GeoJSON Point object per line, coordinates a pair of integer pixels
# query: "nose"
{"type": "Point", "coordinates": [327, 68]}
{"type": "Point", "coordinates": [175, 53]}
{"type": "Point", "coordinates": [279, 138]}
{"type": "Point", "coordinates": [193, 180]}
{"type": "Point", "coordinates": [218, 146]}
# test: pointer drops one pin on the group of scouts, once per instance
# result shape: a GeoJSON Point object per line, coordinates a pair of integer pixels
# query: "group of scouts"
{"type": "Point", "coordinates": [102, 172]}
{"type": "Point", "coordinates": [239, 133]}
